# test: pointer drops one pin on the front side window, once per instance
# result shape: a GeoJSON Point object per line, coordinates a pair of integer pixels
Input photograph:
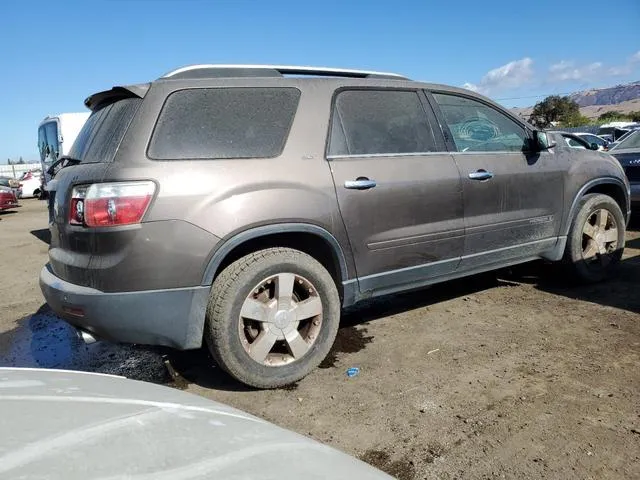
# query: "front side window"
{"type": "Point", "coordinates": [477, 127]}
{"type": "Point", "coordinates": [379, 122]}
{"type": "Point", "coordinates": [218, 123]}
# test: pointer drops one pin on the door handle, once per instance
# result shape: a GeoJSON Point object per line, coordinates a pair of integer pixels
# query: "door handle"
{"type": "Point", "coordinates": [361, 183]}
{"type": "Point", "coordinates": [481, 175]}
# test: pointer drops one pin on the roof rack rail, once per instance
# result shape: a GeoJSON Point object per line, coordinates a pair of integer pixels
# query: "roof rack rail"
{"type": "Point", "coordinates": [213, 70]}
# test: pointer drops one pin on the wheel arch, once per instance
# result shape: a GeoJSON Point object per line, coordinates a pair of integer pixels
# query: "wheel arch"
{"type": "Point", "coordinates": [308, 238]}
{"type": "Point", "coordinates": [611, 186]}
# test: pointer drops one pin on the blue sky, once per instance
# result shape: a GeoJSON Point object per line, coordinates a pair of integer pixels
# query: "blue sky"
{"type": "Point", "coordinates": [55, 53]}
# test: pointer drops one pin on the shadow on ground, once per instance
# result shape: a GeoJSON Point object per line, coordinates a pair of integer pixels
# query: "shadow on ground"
{"type": "Point", "coordinates": [43, 234]}
{"type": "Point", "coordinates": [620, 291]}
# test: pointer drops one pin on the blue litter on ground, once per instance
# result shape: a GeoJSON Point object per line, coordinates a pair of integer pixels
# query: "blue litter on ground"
{"type": "Point", "coordinates": [353, 371]}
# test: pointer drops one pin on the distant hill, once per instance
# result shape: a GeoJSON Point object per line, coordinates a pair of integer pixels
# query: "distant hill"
{"type": "Point", "coordinates": [607, 96]}
{"type": "Point", "coordinates": [621, 98]}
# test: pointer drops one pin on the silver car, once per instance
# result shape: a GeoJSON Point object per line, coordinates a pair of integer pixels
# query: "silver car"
{"type": "Point", "coordinates": [73, 425]}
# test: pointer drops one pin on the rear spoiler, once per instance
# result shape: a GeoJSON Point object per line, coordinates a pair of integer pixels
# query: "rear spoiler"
{"type": "Point", "coordinates": [96, 100]}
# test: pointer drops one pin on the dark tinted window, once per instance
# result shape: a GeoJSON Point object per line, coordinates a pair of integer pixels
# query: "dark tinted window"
{"type": "Point", "coordinates": [224, 123]}
{"type": "Point", "coordinates": [103, 131]}
{"type": "Point", "coordinates": [477, 127]}
{"type": "Point", "coordinates": [369, 122]}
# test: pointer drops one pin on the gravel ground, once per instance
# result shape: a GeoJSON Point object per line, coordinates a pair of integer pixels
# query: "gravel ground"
{"type": "Point", "coordinates": [514, 374]}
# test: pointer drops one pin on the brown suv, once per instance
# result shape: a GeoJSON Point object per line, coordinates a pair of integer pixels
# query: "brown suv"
{"type": "Point", "coordinates": [245, 206]}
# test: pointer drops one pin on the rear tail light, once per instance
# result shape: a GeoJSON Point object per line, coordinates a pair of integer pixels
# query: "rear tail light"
{"type": "Point", "coordinates": [110, 204]}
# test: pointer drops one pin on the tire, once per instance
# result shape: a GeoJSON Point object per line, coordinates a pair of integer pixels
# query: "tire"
{"type": "Point", "coordinates": [589, 259]}
{"type": "Point", "coordinates": [250, 287]}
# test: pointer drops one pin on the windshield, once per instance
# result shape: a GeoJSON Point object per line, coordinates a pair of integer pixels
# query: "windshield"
{"type": "Point", "coordinates": [102, 133]}
{"type": "Point", "coordinates": [632, 141]}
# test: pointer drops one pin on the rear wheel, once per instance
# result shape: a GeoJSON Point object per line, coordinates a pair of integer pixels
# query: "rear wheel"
{"type": "Point", "coordinates": [272, 317]}
{"type": "Point", "coordinates": [596, 238]}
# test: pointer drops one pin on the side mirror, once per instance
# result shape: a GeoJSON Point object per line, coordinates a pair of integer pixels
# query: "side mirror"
{"type": "Point", "coordinates": [594, 146]}
{"type": "Point", "coordinates": [541, 141]}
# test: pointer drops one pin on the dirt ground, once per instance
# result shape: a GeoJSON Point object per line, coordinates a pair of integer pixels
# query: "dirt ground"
{"type": "Point", "coordinates": [514, 374]}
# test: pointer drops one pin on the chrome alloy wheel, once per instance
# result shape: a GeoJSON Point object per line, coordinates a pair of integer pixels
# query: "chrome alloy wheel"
{"type": "Point", "coordinates": [599, 237]}
{"type": "Point", "coordinates": [280, 319]}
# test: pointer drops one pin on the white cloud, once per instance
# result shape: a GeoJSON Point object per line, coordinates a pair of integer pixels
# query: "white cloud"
{"type": "Point", "coordinates": [511, 75]}
{"type": "Point", "coordinates": [567, 70]}
{"type": "Point", "coordinates": [471, 86]}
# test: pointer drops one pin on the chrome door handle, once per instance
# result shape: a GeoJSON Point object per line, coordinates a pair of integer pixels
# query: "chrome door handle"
{"type": "Point", "coordinates": [481, 175]}
{"type": "Point", "coordinates": [361, 183]}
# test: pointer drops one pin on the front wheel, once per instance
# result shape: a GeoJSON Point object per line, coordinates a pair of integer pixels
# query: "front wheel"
{"type": "Point", "coordinates": [596, 238]}
{"type": "Point", "coordinates": [272, 317]}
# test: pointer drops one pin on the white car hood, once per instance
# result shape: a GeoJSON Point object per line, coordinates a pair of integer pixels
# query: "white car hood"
{"type": "Point", "coordinates": [71, 425]}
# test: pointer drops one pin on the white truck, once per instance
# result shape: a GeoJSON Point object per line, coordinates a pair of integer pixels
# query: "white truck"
{"type": "Point", "coordinates": [56, 134]}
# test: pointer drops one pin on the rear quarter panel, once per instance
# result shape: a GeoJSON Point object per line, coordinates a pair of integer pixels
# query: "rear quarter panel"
{"type": "Point", "coordinates": [227, 196]}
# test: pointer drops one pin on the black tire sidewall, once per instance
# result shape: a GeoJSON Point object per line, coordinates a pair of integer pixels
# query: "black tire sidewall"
{"type": "Point", "coordinates": [226, 345]}
{"type": "Point", "coordinates": [588, 205]}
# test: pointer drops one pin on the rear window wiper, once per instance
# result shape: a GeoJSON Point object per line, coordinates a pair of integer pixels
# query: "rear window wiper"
{"type": "Point", "coordinates": [65, 160]}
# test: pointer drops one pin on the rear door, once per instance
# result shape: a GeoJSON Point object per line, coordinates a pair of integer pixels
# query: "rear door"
{"type": "Point", "coordinates": [513, 198]}
{"type": "Point", "coordinates": [398, 190]}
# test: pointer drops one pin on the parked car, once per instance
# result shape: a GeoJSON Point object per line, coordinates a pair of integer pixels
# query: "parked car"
{"type": "Point", "coordinates": [629, 132]}
{"type": "Point", "coordinates": [31, 184]}
{"type": "Point", "coordinates": [591, 139]}
{"type": "Point", "coordinates": [13, 184]}
{"type": "Point", "coordinates": [305, 195]}
{"type": "Point", "coordinates": [74, 425]}
{"type": "Point", "coordinates": [573, 140]}
{"type": "Point", "coordinates": [8, 199]}
{"type": "Point", "coordinates": [612, 133]}
{"type": "Point", "coordinates": [627, 152]}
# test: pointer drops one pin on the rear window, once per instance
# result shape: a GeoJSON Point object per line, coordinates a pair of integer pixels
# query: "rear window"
{"type": "Point", "coordinates": [102, 133]}
{"type": "Point", "coordinates": [217, 123]}
{"type": "Point", "coordinates": [379, 122]}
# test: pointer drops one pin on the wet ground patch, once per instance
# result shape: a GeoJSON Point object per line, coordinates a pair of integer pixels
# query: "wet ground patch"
{"type": "Point", "coordinates": [402, 469]}
{"type": "Point", "coordinates": [349, 340]}
{"type": "Point", "coordinates": [42, 340]}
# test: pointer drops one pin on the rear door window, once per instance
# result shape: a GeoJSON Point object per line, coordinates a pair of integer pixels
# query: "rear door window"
{"type": "Point", "coordinates": [218, 123]}
{"type": "Point", "coordinates": [103, 131]}
{"type": "Point", "coordinates": [379, 122]}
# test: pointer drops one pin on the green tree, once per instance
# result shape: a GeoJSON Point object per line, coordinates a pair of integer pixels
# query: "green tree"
{"type": "Point", "coordinates": [576, 121]}
{"type": "Point", "coordinates": [634, 116]}
{"type": "Point", "coordinates": [21, 161]}
{"type": "Point", "coordinates": [556, 109]}
{"type": "Point", "coordinates": [612, 115]}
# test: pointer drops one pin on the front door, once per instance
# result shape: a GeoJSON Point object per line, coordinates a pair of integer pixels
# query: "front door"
{"type": "Point", "coordinates": [513, 198]}
{"type": "Point", "coordinates": [398, 190]}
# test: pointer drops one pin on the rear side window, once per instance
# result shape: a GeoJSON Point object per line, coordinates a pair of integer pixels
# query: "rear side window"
{"type": "Point", "coordinates": [211, 123]}
{"type": "Point", "coordinates": [370, 122]}
{"type": "Point", "coordinates": [102, 133]}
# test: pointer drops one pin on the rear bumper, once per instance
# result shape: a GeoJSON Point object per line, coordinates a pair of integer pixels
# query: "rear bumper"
{"type": "Point", "coordinates": [172, 317]}
{"type": "Point", "coordinates": [8, 205]}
